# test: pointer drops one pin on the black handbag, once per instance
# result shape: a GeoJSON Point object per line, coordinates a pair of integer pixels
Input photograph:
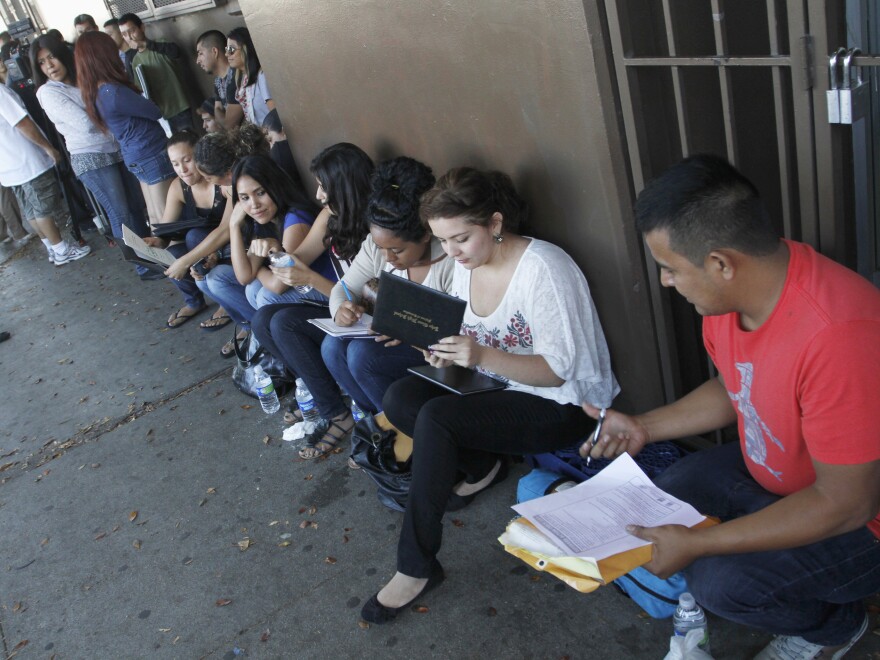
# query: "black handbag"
{"type": "Point", "coordinates": [248, 354]}
{"type": "Point", "coordinates": [372, 448]}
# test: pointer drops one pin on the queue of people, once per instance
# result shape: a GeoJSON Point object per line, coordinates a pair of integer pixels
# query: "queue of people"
{"type": "Point", "coordinates": [793, 335]}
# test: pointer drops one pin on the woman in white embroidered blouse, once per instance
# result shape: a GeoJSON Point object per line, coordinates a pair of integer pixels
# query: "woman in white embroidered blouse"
{"type": "Point", "coordinates": [530, 321]}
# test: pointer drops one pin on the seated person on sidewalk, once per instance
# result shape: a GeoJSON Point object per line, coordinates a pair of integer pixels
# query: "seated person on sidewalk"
{"type": "Point", "coordinates": [796, 341]}
{"type": "Point", "coordinates": [268, 207]}
{"type": "Point", "coordinates": [27, 165]}
{"type": "Point", "coordinates": [115, 106]}
{"type": "Point", "coordinates": [529, 321]}
{"type": "Point", "coordinates": [399, 242]}
{"type": "Point", "coordinates": [159, 62]}
{"type": "Point", "coordinates": [251, 88]}
{"type": "Point", "coordinates": [94, 154]}
{"type": "Point", "coordinates": [191, 197]}
{"type": "Point", "coordinates": [211, 57]}
{"type": "Point", "coordinates": [209, 121]}
{"type": "Point", "coordinates": [342, 172]}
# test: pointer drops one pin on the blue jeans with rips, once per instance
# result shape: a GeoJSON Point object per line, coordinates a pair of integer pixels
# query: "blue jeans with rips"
{"type": "Point", "coordinates": [259, 296]}
{"type": "Point", "coordinates": [813, 591]}
{"type": "Point", "coordinates": [222, 285]}
{"type": "Point", "coordinates": [365, 368]}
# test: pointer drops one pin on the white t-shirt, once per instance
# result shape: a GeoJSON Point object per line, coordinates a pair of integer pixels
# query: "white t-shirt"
{"type": "Point", "coordinates": [20, 159]}
{"type": "Point", "coordinates": [547, 310]}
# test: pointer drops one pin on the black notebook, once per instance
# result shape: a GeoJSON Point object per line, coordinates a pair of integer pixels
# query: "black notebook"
{"type": "Point", "coordinates": [415, 314]}
{"type": "Point", "coordinates": [458, 379]}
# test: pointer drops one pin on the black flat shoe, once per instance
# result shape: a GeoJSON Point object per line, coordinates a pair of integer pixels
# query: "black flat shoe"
{"type": "Point", "coordinates": [375, 612]}
{"type": "Point", "coordinates": [457, 502]}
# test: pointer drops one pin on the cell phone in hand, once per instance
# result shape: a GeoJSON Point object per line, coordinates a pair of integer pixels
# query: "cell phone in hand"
{"type": "Point", "coordinates": [200, 267]}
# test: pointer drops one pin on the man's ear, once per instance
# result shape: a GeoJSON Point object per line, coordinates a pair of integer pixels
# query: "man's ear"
{"type": "Point", "coordinates": [723, 263]}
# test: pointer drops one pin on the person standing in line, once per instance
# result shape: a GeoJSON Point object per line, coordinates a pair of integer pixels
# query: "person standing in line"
{"type": "Point", "coordinates": [11, 228]}
{"type": "Point", "coordinates": [27, 165]}
{"type": "Point", "coordinates": [126, 52]}
{"type": "Point", "coordinates": [159, 61]}
{"type": "Point", "coordinates": [211, 57]}
{"type": "Point", "coordinates": [113, 104]}
{"type": "Point", "coordinates": [251, 87]}
{"type": "Point", "coordinates": [84, 23]}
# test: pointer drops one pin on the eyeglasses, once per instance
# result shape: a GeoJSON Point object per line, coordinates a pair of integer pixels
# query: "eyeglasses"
{"type": "Point", "coordinates": [230, 49]}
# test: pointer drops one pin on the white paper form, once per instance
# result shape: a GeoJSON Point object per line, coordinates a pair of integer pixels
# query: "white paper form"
{"type": "Point", "coordinates": [590, 519]}
{"type": "Point", "coordinates": [144, 251]}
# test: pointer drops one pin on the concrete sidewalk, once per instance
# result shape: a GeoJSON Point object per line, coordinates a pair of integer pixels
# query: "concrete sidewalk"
{"type": "Point", "coordinates": [133, 474]}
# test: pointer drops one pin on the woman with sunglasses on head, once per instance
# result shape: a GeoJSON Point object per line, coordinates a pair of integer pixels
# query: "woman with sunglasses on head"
{"type": "Point", "coordinates": [95, 156]}
{"type": "Point", "coordinates": [115, 106]}
{"type": "Point", "coordinates": [251, 89]}
{"type": "Point", "coordinates": [190, 197]}
{"type": "Point", "coordinates": [529, 321]}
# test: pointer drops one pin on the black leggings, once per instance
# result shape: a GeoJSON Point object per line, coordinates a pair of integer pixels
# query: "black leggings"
{"type": "Point", "coordinates": [465, 433]}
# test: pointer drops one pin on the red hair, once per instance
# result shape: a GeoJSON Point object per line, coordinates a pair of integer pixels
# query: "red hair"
{"type": "Point", "coordinates": [98, 62]}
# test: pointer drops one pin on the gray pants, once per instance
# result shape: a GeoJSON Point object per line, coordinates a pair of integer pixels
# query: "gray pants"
{"type": "Point", "coordinates": [10, 217]}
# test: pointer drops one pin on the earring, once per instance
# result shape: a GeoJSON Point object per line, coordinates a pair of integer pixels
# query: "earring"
{"type": "Point", "coordinates": [498, 238]}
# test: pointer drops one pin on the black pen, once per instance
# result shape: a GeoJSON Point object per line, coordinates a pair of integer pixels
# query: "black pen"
{"type": "Point", "coordinates": [596, 434]}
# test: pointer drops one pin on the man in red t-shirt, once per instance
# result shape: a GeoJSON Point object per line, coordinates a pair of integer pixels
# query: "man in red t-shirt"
{"type": "Point", "coordinates": [796, 341]}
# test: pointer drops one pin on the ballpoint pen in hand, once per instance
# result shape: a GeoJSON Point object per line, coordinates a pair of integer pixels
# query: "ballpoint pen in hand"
{"type": "Point", "coordinates": [596, 434]}
{"type": "Point", "coordinates": [347, 292]}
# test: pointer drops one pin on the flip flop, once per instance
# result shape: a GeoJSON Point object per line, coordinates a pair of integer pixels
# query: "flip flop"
{"type": "Point", "coordinates": [228, 349]}
{"type": "Point", "coordinates": [324, 435]}
{"type": "Point", "coordinates": [215, 323]}
{"type": "Point", "coordinates": [177, 319]}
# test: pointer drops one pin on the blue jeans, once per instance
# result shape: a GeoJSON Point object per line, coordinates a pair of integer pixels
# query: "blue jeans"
{"type": "Point", "coordinates": [153, 169]}
{"type": "Point", "coordinates": [118, 192]}
{"type": "Point", "coordinates": [259, 296]}
{"type": "Point", "coordinates": [285, 331]}
{"type": "Point", "coordinates": [192, 295]}
{"type": "Point", "coordinates": [221, 285]}
{"type": "Point", "coordinates": [813, 591]}
{"type": "Point", "coordinates": [366, 368]}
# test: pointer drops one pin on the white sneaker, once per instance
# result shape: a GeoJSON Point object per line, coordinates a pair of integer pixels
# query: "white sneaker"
{"type": "Point", "coordinates": [51, 255]}
{"type": "Point", "coordinates": [72, 253]}
{"type": "Point", "coordinates": [786, 647]}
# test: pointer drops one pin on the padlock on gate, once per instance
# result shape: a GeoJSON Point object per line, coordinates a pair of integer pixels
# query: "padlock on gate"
{"type": "Point", "coordinates": [854, 97]}
{"type": "Point", "coordinates": [833, 94]}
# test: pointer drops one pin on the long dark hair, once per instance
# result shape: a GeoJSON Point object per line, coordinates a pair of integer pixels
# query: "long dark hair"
{"type": "Point", "coordinates": [344, 171]}
{"type": "Point", "coordinates": [242, 36]}
{"type": "Point", "coordinates": [395, 189]}
{"type": "Point", "coordinates": [59, 51]}
{"type": "Point", "coordinates": [97, 62]}
{"type": "Point", "coordinates": [277, 184]}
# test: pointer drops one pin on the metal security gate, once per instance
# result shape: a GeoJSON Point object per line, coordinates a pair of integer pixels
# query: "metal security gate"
{"type": "Point", "coordinates": [746, 79]}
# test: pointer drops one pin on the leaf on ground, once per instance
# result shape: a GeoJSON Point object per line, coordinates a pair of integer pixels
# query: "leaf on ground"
{"type": "Point", "coordinates": [302, 509]}
{"type": "Point", "coordinates": [164, 629]}
{"type": "Point", "coordinates": [273, 523]}
{"type": "Point", "coordinates": [492, 612]}
{"type": "Point", "coordinates": [132, 516]}
{"type": "Point", "coordinates": [535, 578]}
{"type": "Point", "coordinates": [304, 524]}
{"type": "Point", "coordinates": [19, 646]}
{"type": "Point", "coordinates": [457, 522]}
{"type": "Point", "coordinates": [308, 477]}
{"type": "Point", "coordinates": [363, 624]}
{"type": "Point", "coordinates": [244, 544]}
{"type": "Point", "coordinates": [100, 536]}
{"type": "Point", "coordinates": [6, 466]}
{"type": "Point", "coordinates": [313, 510]}
{"type": "Point", "coordinates": [344, 538]}
{"type": "Point", "coordinates": [17, 607]}
{"type": "Point", "coordinates": [330, 560]}
{"type": "Point", "coordinates": [175, 640]}
{"type": "Point", "coordinates": [284, 544]}
{"type": "Point", "coordinates": [136, 544]}
{"type": "Point", "coordinates": [246, 406]}
{"type": "Point", "coordinates": [115, 528]}
{"type": "Point", "coordinates": [95, 465]}
{"type": "Point", "coordinates": [223, 602]}
{"type": "Point", "coordinates": [211, 490]}
{"type": "Point", "coordinates": [266, 439]}
{"type": "Point", "coordinates": [264, 637]}
{"type": "Point", "coordinates": [221, 411]}
{"type": "Point", "coordinates": [420, 609]}
{"type": "Point", "coordinates": [203, 502]}
{"type": "Point", "coordinates": [347, 529]}
{"type": "Point", "coordinates": [44, 541]}
{"type": "Point", "coordinates": [83, 399]}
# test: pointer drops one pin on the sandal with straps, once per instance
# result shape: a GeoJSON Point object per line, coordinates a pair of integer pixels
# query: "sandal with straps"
{"type": "Point", "coordinates": [324, 441]}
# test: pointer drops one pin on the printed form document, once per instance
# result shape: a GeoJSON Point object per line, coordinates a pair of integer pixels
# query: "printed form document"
{"type": "Point", "coordinates": [590, 520]}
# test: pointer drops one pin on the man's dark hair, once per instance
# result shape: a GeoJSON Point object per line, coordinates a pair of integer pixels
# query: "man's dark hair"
{"type": "Point", "coordinates": [704, 204]}
{"type": "Point", "coordinates": [5, 36]}
{"type": "Point", "coordinates": [84, 19]}
{"type": "Point", "coordinates": [131, 18]}
{"type": "Point", "coordinates": [112, 21]}
{"type": "Point", "coordinates": [212, 39]}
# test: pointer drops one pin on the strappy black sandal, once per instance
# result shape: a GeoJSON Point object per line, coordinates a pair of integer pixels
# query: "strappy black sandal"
{"type": "Point", "coordinates": [323, 441]}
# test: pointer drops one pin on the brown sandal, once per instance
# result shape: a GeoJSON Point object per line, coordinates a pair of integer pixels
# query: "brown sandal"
{"type": "Point", "coordinates": [323, 435]}
{"type": "Point", "coordinates": [179, 318]}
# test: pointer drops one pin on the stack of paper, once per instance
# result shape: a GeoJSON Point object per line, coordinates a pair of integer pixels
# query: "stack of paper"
{"type": "Point", "coordinates": [359, 330]}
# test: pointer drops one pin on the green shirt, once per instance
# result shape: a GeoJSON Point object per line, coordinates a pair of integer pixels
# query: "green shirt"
{"type": "Point", "coordinates": [163, 82]}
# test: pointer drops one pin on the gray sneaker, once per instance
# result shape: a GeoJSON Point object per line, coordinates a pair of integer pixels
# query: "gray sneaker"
{"type": "Point", "coordinates": [787, 647]}
{"type": "Point", "coordinates": [72, 253]}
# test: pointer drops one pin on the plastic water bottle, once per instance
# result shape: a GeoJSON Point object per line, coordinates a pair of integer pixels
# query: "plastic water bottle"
{"type": "Point", "coordinates": [356, 412]}
{"type": "Point", "coordinates": [306, 403]}
{"type": "Point", "coordinates": [283, 260]}
{"type": "Point", "coordinates": [689, 616]}
{"type": "Point", "coordinates": [265, 390]}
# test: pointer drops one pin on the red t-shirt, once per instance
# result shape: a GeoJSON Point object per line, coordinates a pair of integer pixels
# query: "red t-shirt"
{"type": "Point", "coordinates": [805, 384]}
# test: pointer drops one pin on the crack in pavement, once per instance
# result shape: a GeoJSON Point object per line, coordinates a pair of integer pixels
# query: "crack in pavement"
{"type": "Point", "coordinates": [54, 449]}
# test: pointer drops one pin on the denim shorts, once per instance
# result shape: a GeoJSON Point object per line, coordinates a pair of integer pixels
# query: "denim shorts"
{"type": "Point", "coordinates": [41, 198]}
{"type": "Point", "coordinates": [153, 169]}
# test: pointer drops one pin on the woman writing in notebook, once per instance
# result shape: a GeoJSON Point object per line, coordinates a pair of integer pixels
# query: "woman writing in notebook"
{"type": "Point", "coordinates": [529, 321]}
